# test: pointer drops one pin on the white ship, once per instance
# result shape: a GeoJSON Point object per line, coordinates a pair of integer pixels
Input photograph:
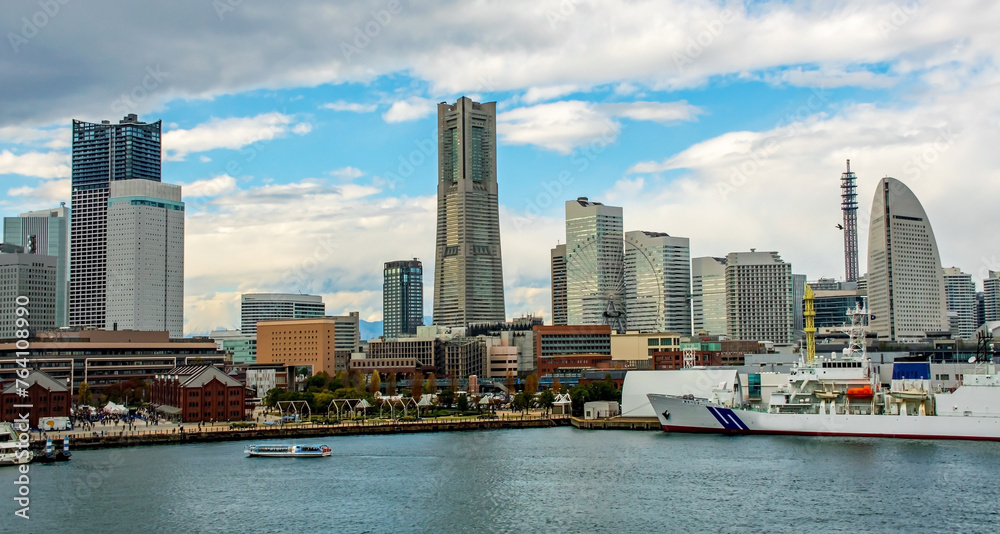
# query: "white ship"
{"type": "Point", "coordinates": [842, 397]}
{"type": "Point", "coordinates": [288, 451]}
{"type": "Point", "coordinates": [10, 453]}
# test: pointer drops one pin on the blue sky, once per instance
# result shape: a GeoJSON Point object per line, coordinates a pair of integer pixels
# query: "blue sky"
{"type": "Point", "coordinates": [306, 167]}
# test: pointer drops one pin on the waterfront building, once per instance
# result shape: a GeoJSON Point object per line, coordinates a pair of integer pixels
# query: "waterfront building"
{"type": "Point", "coordinates": [45, 232]}
{"type": "Point", "coordinates": [103, 358]}
{"type": "Point", "coordinates": [562, 349]}
{"type": "Point", "coordinates": [708, 295]}
{"type": "Point", "coordinates": [960, 295]}
{"type": "Point", "coordinates": [595, 282]}
{"type": "Point", "coordinates": [47, 397]}
{"type": "Point", "coordinates": [637, 346]}
{"type": "Point", "coordinates": [199, 394]}
{"type": "Point", "coordinates": [991, 297]}
{"type": "Point", "coordinates": [145, 257]}
{"type": "Point", "coordinates": [33, 276]}
{"type": "Point", "coordinates": [102, 153]}
{"type": "Point", "coordinates": [324, 344]}
{"type": "Point", "coordinates": [468, 270]}
{"type": "Point", "coordinates": [657, 282]}
{"type": "Point", "coordinates": [906, 292]}
{"type": "Point", "coordinates": [759, 296]}
{"type": "Point", "coordinates": [256, 307]}
{"type": "Point", "coordinates": [517, 333]}
{"type": "Point", "coordinates": [558, 275]}
{"type": "Point", "coordinates": [402, 298]}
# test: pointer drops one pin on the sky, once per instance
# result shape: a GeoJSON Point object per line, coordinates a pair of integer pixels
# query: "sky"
{"type": "Point", "coordinates": [304, 133]}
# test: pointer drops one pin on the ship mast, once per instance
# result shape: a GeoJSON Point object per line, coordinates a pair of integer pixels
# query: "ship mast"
{"type": "Point", "coordinates": [810, 315]}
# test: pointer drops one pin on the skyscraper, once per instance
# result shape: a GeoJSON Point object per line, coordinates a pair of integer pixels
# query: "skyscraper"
{"type": "Point", "coordinates": [26, 275]}
{"type": "Point", "coordinates": [991, 297]}
{"type": "Point", "coordinates": [558, 273]}
{"type": "Point", "coordinates": [905, 280]}
{"type": "Point", "coordinates": [402, 298]}
{"type": "Point", "coordinates": [45, 232]}
{"type": "Point", "coordinates": [708, 294]}
{"type": "Point", "coordinates": [759, 296]}
{"type": "Point", "coordinates": [468, 271]}
{"type": "Point", "coordinates": [960, 294]}
{"type": "Point", "coordinates": [102, 153]}
{"type": "Point", "coordinates": [595, 281]}
{"type": "Point", "coordinates": [145, 257]}
{"type": "Point", "coordinates": [657, 282]}
{"type": "Point", "coordinates": [255, 307]}
{"type": "Point", "coordinates": [798, 293]}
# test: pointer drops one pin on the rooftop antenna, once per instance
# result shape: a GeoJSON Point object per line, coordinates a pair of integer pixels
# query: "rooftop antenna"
{"type": "Point", "coordinates": [849, 205]}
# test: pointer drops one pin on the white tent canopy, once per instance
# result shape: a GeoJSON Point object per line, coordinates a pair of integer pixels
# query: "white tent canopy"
{"type": "Point", "coordinates": [115, 409]}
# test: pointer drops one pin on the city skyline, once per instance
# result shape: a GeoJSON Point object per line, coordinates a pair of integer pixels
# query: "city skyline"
{"type": "Point", "coordinates": [265, 156]}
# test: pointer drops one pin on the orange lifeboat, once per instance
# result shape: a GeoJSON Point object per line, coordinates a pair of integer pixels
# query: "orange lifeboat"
{"type": "Point", "coordinates": [861, 393]}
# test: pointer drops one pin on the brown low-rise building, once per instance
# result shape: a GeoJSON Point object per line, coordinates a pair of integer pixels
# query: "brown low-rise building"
{"type": "Point", "coordinates": [322, 343]}
{"type": "Point", "coordinates": [199, 393]}
{"type": "Point", "coordinates": [674, 359]}
{"type": "Point", "coordinates": [46, 396]}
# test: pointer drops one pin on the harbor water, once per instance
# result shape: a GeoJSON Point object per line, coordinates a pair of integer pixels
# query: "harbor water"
{"type": "Point", "coordinates": [538, 480]}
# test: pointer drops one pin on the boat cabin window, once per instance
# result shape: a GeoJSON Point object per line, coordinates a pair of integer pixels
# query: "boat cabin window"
{"type": "Point", "coordinates": [841, 365]}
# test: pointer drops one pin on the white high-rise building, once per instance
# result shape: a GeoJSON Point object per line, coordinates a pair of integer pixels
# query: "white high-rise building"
{"type": "Point", "coordinates": [759, 296]}
{"type": "Point", "coordinates": [905, 282]}
{"type": "Point", "coordinates": [145, 262]}
{"type": "Point", "coordinates": [594, 264]}
{"type": "Point", "coordinates": [960, 292]}
{"type": "Point", "coordinates": [708, 294]}
{"type": "Point", "coordinates": [991, 297]}
{"type": "Point", "coordinates": [657, 282]}
{"type": "Point", "coordinates": [256, 307]}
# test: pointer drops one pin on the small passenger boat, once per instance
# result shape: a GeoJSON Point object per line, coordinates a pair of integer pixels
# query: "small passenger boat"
{"type": "Point", "coordinates": [289, 451]}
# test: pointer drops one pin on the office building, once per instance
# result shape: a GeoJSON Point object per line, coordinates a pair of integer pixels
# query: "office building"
{"type": "Point", "coordinates": [566, 350]}
{"type": "Point", "coordinates": [240, 348]}
{"type": "Point", "coordinates": [708, 295]}
{"type": "Point", "coordinates": [402, 298]}
{"type": "Point", "coordinates": [557, 258]}
{"type": "Point", "coordinates": [905, 281]}
{"type": "Point", "coordinates": [45, 232]}
{"type": "Point", "coordinates": [799, 293]}
{"type": "Point", "coordinates": [657, 282]}
{"type": "Point", "coordinates": [468, 270]}
{"type": "Point", "coordinates": [595, 281]}
{"type": "Point", "coordinates": [256, 307]}
{"type": "Point", "coordinates": [32, 276]}
{"type": "Point", "coordinates": [759, 296]}
{"type": "Point", "coordinates": [831, 307]}
{"type": "Point", "coordinates": [960, 295]}
{"type": "Point", "coordinates": [145, 257]}
{"type": "Point", "coordinates": [102, 153]}
{"type": "Point", "coordinates": [991, 297]}
{"type": "Point", "coordinates": [320, 344]}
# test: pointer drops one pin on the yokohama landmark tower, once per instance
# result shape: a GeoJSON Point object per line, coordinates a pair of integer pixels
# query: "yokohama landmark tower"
{"type": "Point", "coordinates": [468, 274]}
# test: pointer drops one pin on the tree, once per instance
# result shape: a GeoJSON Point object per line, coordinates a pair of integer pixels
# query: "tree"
{"type": "Point", "coordinates": [355, 379]}
{"type": "Point", "coordinates": [416, 386]}
{"type": "Point", "coordinates": [446, 398]}
{"type": "Point", "coordinates": [375, 385]}
{"type": "Point", "coordinates": [431, 386]}
{"type": "Point", "coordinates": [523, 401]}
{"type": "Point", "coordinates": [463, 402]}
{"type": "Point", "coordinates": [546, 400]}
{"type": "Point", "coordinates": [557, 385]}
{"type": "Point", "coordinates": [85, 395]}
{"type": "Point", "coordinates": [321, 401]}
{"type": "Point", "coordinates": [531, 383]}
{"type": "Point", "coordinates": [510, 382]}
{"type": "Point", "coordinates": [391, 387]}
{"type": "Point", "coordinates": [273, 396]}
{"type": "Point", "coordinates": [453, 379]}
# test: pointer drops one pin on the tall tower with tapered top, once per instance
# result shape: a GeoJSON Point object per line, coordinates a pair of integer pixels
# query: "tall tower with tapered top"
{"type": "Point", "coordinates": [849, 205]}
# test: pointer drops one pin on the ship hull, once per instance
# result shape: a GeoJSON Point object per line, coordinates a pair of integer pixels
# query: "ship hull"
{"type": "Point", "coordinates": [677, 414]}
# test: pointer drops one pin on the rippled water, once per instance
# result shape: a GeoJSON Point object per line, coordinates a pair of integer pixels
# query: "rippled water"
{"type": "Point", "coordinates": [545, 480]}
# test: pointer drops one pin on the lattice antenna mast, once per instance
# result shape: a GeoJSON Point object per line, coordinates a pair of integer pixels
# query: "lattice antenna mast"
{"type": "Point", "coordinates": [849, 205]}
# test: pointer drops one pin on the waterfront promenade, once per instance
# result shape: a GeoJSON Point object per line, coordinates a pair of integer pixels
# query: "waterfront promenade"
{"type": "Point", "coordinates": [109, 435]}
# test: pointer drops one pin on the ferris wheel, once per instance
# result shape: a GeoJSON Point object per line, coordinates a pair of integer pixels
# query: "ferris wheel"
{"type": "Point", "coordinates": [614, 283]}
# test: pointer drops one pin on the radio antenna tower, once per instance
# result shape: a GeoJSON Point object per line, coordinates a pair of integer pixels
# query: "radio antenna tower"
{"type": "Point", "coordinates": [849, 204]}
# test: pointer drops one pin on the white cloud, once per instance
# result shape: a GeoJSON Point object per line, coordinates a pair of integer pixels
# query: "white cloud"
{"type": "Point", "coordinates": [40, 164]}
{"type": "Point", "coordinates": [212, 187]}
{"type": "Point", "coordinates": [539, 94]}
{"type": "Point", "coordinates": [830, 77]}
{"type": "Point", "coordinates": [355, 107]}
{"type": "Point", "coordinates": [204, 159]}
{"type": "Point", "coordinates": [54, 138]}
{"type": "Point", "coordinates": [564, 126]}
{"type": "Point", "coordinates": [347, 173]}
{"type": "Point", "coordinates": [47, 193]}
{"type": "Point", "coordinates": [411, 109]}
{"type": "Point", "coordinates": [232, 133]}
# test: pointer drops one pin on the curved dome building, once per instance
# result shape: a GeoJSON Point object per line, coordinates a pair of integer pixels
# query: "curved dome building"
{"type": "Point", "coordinates": [905, 282]}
